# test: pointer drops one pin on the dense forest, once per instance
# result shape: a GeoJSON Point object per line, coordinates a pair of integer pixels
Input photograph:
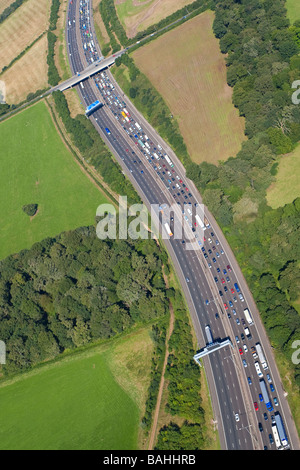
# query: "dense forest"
{"type": "Point", "coordinates": [73, 289]}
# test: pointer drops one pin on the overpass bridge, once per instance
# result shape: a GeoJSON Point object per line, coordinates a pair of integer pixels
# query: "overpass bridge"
{"type": "Point", "coordinates": [88, 72]}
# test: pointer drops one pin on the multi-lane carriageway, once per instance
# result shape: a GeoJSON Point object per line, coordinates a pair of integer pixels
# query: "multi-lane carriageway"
{"type": "Point", "coordinates": [227, 377]}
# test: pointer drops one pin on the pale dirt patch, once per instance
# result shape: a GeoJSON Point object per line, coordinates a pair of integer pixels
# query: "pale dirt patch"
{"type": "Point", "coordinates": [187, 68]}
{"type": "Point", "coordinates": [20, 29]}
{"type": "Point", "coordinates": [28, 74]}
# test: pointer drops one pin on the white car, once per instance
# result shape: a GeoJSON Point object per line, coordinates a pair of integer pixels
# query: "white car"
{"type": "Point", "coordinates": [237, 418]}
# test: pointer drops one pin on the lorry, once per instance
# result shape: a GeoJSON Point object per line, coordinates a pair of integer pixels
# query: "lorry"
{"type": "Point", "coordinates": [247, 332]}
{"type": "Point", "coordinates": [199, 221]}
{"type": "Point", "coordinates": [281, 430]}
{"type": "Point", "coordinates": [138, 126]}
{"type": "Point", "coordinates": [168, 230]}
{"type": "Point", "coordinates": [259, 372]}
{"type": "Point", "coordinates": [248, 316]}
{"type": "Point", "coordinates": [265, 395]}
{"type": "Point", "coordinates": [208, 334]}
{"type": "Point", "coordinates": [261, 356]}
{"type": "Point", "coordinates": [276, 436]}
{"type": "Point", "coordinates": [206, 222]}
{"type": "Point", "coordinates": [141, 143]}
{"type": "Point", "coordinates": [169, 161]}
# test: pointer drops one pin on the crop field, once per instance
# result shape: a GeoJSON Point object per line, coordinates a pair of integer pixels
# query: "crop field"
{"type": "Point", "coordinates": [27, 74]}
{"type": "Point", "coordinates": [77, 402]}
{"type": "Point", "coordinates": [287, 186]}
{"type": "Point", "coordinates": [37, 168]}
{"type": "Point", "coordinates": [187, 68]}
{"type": "Point", "coordinates": [293, 9]}
{"type": "Point", "coordinates": [137, 15]}
{"type": "Point", "coordinates": [21, 28]}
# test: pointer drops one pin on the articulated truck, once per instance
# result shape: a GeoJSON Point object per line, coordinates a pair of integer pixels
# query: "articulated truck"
{"type": "Point", "coordinates": [265, 395]}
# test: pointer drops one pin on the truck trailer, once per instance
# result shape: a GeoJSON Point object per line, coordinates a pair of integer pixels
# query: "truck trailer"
{"type": "Point", "coordinates": [261, 356]}
{"type": "Point", "coordinates": [265, 395]}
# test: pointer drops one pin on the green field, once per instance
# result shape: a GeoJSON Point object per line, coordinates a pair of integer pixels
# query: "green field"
{"type": "Point", "coordinates": [36, 167]}
{"type": "Point", "coordinates": [77, 402]}
{"type": "Point", "coordinates": [293, 10]}
{"type": "Point", "coordinates": [287, 186]}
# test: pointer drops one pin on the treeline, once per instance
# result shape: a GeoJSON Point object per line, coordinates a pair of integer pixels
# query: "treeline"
{"type": "Point", "coordinates": [10, 9]}
{"type": "Point", "coordinates": [53, 75]}
{"type": "Point", "coordinates": [93, 149]}
{"type": "Point", "coordinates": [112, 24]}
{"type": "Point", "coordinates": [183, 378]}
{"type": "Point", "coordinates": [115, 28]}
{"type": "Point", "coordinates": [158, 335]}
{"type": "Point", "coordinates": [151, 104]}
{"type": "Point", "coordinates": [74, 289]}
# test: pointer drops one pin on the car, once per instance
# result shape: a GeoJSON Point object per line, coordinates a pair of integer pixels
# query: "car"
{"type": "Point", "coordinates": [234, 311]}
{"type": "Point", "coordinates": [227, 279]}
{"type": "Point", "coordinates": [249, 380]}
{"type": "Point", "coordinates": [260, 427]}
{"type": "Point", "coordinates": [255, 406]}
{"type": "Point", "coordinates": [238, 321]}
{"type": "Point", "coordinates": [207, 301]}
{"type": "Point", "coordinates": [225, 289]}
{"type": "Point", "coordinates": [234, 299]}
{"type": "Point", "coordinates": [187, 279]}
{"type": "Point", "coordinates": [226, 306]}
{"type": "Point", "coordinates": [224, 271]}
{"type": "Point", "coordinates": [216, 279]}
{"type": "Point", "coordinates": [217, 315]}
{"type": "Point", "coordinates": [237, 418]}
{"type": "Point", "coordinates": [275, 401]}
{"type": "Point", "coordinates": [245, 347]}
{"type": "Point", "coordinates": [229, 268]}
{"type": "Point", "coordinates": [223, 280]}
{"type": "Point", "coordinates": [230, 303]}
{"type": "Point", "coordinates": [271, 439]}
{"type": "Point", "coordinates": [266, 416]}
{"type": "Point", "coordinates": [269, 378]}
{"type": "Point", "coordinates": [240, 351]}
{"type": "Point", "coordinates": [228, 314]}
{"type": "Point", "coordinates": [260, 397]}
{"type": "Point", "coordinates": [218, 270]}
{"type": "Point", "coordinates": [232, 291]}
{"type": "Point", "coordinates": [272, 388]}
{"type": "Point", "coordinates": [209, 265]}
{"type": "Point", "coordinates": [242, 336]}
{"type": "Point", "coordinates": [214, 260]}
{"type": "Point", "coordinates": [245, 363]}
{"type": "Point", "coordinates": [237, 339]}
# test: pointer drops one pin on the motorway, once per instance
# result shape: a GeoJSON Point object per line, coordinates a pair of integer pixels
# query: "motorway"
{"type": "Point", "coordinates": [208, 272]}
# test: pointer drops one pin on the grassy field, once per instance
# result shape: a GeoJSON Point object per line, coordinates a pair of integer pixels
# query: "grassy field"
{"type": "Point", "coordinates": [77, 402]}
{"type": "Point", "coordinates": [186, 67]}
{"type": "Point", "coordinates": [137, 15]}
{"type": "Point", "coordinates": [287, 186]}
{"type": "Point", "coordinates": [293, 9]}
{"type": "Point", "coordinates": [36, 167]}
